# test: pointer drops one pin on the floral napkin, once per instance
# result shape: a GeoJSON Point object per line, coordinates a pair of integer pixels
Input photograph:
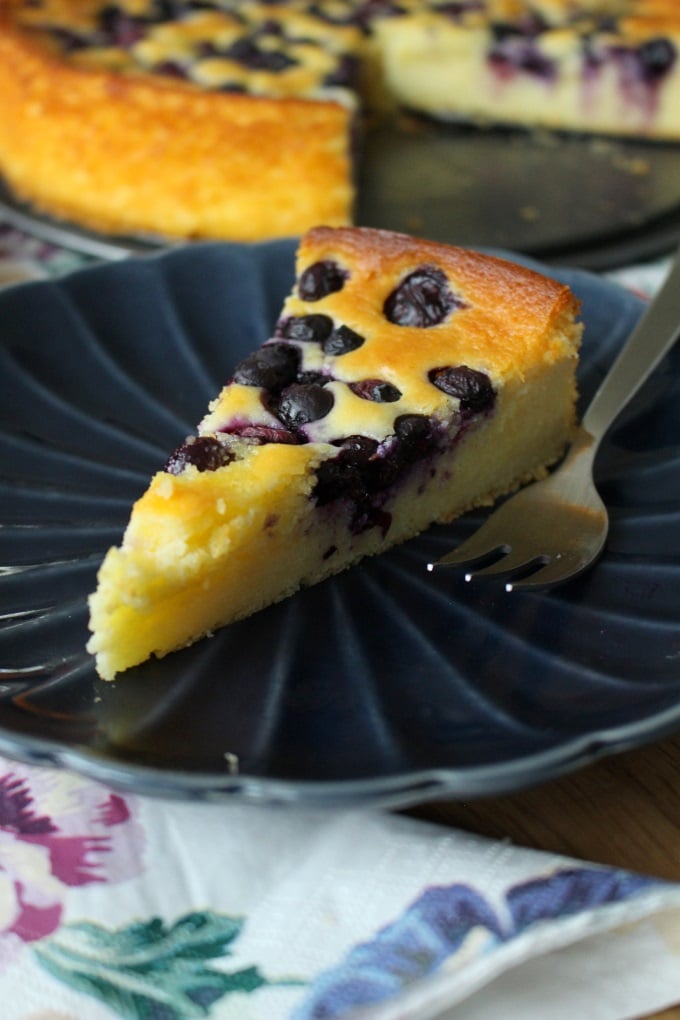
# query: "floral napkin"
{"type": "Point", "coordinates": [24, 256]}
{"type": "Point", "coordinates": [113, 905]}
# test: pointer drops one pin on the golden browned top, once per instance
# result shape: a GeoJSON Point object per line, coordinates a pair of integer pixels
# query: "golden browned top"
{"type": "Point", "coordinates": [504, 320]}
{"type": "Point", "coordinates": [508, 308]}
{"type": "Point", "coordinates": [264, 49]}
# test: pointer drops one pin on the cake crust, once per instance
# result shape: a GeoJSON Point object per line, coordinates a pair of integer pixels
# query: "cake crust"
{"type": "Point", "coordinates": [144, 154]}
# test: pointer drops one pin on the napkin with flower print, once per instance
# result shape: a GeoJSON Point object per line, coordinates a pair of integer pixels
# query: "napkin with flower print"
{"type": "Point", "coordinates": [118, 906]}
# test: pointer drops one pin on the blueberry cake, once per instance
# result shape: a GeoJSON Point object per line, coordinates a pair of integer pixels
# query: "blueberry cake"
{"type": "Point", "coordinates": [237, 119]}
{"type": "Point", "coordinates": [405, 382]}
{"type": "Point", "coordinates": [595, 66]}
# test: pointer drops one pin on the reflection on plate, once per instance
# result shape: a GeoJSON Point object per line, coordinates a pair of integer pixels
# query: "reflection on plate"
{"type": "Point", "coordinates": [386, 685]}
{"type": "Point", "coordinates": [592, 202]}
{"type": "Point", "coordinates": [597, 203]}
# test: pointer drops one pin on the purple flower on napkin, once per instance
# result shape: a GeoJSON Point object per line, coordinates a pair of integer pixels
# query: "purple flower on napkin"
{"type": "Point", "coordinates": [457, 923]}
{"type": "Point", "coordinates": [570, 891]}
{"type": "Point", "coordinates": [56, 831]}
{"type": "Point", "coordinates": [415, 944]}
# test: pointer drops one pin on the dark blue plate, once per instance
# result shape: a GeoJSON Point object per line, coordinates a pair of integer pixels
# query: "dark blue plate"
{"type": "Point", "coordinates": [386, 685]}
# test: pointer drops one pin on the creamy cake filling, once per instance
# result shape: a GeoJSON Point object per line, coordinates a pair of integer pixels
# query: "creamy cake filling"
{"type": "Point", "coordinates": [292, 390]}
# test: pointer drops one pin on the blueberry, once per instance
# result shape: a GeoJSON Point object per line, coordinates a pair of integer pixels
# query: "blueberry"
{"type": "Point", "coordinates": [345, 474]}
{"type": "Point", "coordinates": [355, 475]}
{"type": "Point", "coordinates": [376, 389]}
{"type": "Point", "coordinates": [345, 75]}
{"type": "Point", "coordinates": [271, 27]}
{"type": "Point", "coordinates": [358, 449]}
{"type": "Point", "coordinates": [206, 48]}
{"type": "Point", "coordinates": [321, 279]}
{"type": "Point", "coordinates": [307, 328]}
{"type": "Point", "coordinates": [520, 53]}
{"type": "Point", "coordinates": [529, 24]}
{"type": "Point", "coordinates": [414, 433]}
{"type": "Point", "coordinates": [268, 434]}
{"type": "Point", "coordinates": [473, 388]}
{"type": "Point", "coordinates": [120, 28]}
{"type": "Point", "coordinates": [313, 377]}
{"type": "Point", "coordinates": [361, 473]}
{"type": "Point", "coordinates": [204, 452]}
{"type": "Point", "coordinates": [657, 57]}
{"type": "Point", "coordinates": [69, 41]}
{"type": "Point", "coordinates": [302, 403]}
{"type": "Point", "coordinates": [422, 299]}
{"type": "Point", "coordinates": [272, 367]}
{"type": "Point", "coordinates": [341, 341]}
{"type": "Point", "coordinates": [246, 52]}
{"type": "Point", "coordinates": [456, 9]}
{"type": "Point", "coordinates": [171, 68]}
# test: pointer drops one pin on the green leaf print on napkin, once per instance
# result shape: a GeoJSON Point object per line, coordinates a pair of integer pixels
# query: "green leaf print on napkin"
{"type": "Point", "coordinates": [148, 971]}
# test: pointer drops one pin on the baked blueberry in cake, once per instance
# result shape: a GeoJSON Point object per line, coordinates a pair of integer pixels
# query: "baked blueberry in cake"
{"type": "Point", "coordinates": [404, 383]}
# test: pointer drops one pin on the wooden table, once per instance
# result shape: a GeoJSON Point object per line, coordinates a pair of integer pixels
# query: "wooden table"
{"type": "Point", "coordinates": [623, 811]}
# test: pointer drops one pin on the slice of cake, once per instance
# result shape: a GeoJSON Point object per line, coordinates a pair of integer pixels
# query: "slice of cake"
{"type": "Point", "coordinates": [405, 382]}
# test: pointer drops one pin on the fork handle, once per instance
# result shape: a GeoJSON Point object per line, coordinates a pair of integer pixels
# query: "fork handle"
{"type": "Point", "coordinates": [652, 338]}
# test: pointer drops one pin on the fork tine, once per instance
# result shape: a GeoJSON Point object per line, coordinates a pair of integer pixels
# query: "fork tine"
{"type": "Point", "coordinates": [514, 562]}
{"type": "Point", "coordinates": [473, 552]}
{"type": "Point", "coordinates": [481, 547]}
{"type": "Point", "coordinates": [554, 571]}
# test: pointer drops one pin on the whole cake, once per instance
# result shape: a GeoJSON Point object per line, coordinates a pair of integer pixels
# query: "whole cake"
{"type": "Point", "coordinates": [237, 119]}
{"type": "Point", "coordinates": [405, 382]}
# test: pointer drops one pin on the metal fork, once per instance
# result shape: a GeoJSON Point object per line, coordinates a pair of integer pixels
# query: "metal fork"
{"type": "Point", "coordinates": [554, 529]}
